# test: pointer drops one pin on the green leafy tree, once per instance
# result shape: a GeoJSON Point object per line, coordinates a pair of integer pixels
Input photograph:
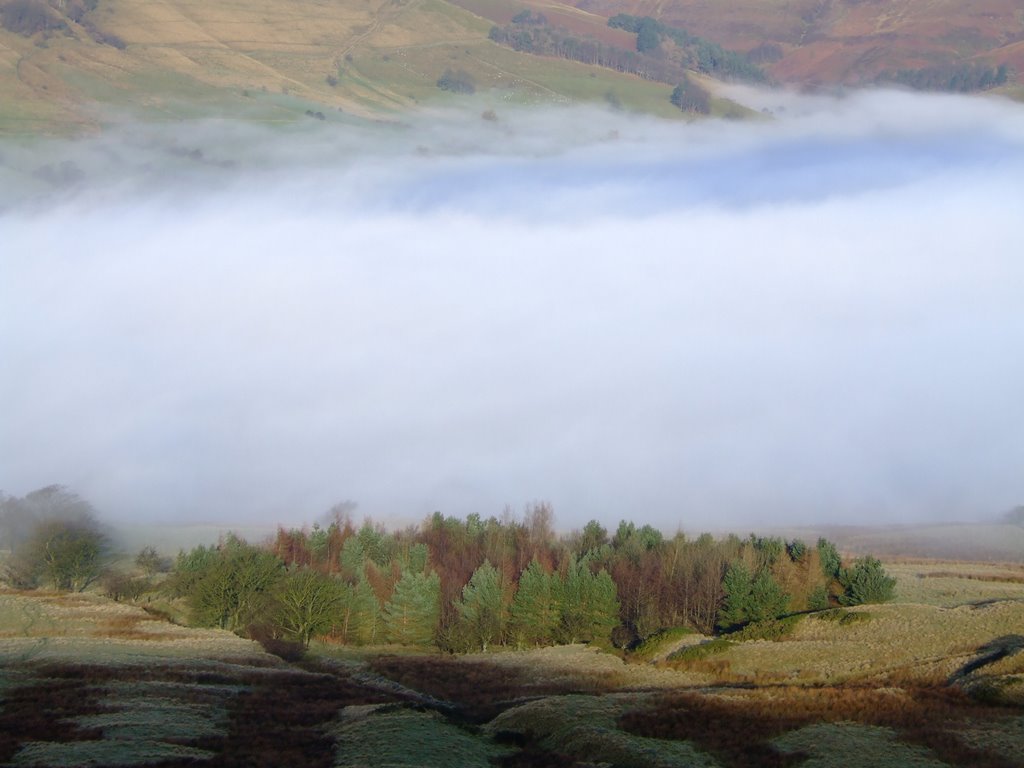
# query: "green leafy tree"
{"type": "Point", "coordinates": [535, 608]}
{"type": "Point", "coordinates": [482, 612]}
{"type": "Point", "coordinates": [151, 562]}
{"type": "Point", "coordinates": [68, 555]}
{"type": "Point", "coordinates": [411, 616]}
{"type": "Point", "coordinates": [866, 582]}
{"type": "Point", "coordinates": [234, 589]}
{"type": "Point", "coordinates": [594, 536]}
{"type": "Point", "coordinates": [307, 603]}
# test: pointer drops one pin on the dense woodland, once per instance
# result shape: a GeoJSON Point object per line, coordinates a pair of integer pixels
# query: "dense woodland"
{"type": "Point", "coordinates": [459, 585]}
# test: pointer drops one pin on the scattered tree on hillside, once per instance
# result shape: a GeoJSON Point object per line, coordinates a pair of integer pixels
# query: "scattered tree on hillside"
{"type": "Point", "coordinates": [151, 562]}
{"type": "Point", "coordinates": [55, 540]}
{"type": "Point", "coordinates": [457, 81]}
{"type": "Point", "coordinates": [690, 97]}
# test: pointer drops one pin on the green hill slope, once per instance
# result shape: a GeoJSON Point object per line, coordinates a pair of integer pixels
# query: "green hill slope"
{"type": "Point", "coordinates": [66, 65]}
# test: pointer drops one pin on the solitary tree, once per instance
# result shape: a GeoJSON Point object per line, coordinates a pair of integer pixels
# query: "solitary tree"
{"type": "Point", "coordinates": [66, 554]}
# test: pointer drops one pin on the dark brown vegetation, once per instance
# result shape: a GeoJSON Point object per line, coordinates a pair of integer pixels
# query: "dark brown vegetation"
{"type": "Point", "coordinates": [42, 711]}
{"type": "Point", "coordinates": [738, 728]}
{"type": "Point", "coordinates": [477, 691]}
{"type": "Point", "coordinates": [275, 720]}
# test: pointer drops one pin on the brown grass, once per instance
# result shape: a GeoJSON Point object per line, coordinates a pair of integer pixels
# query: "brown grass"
{"type": "Point", "coordinates": [738, 728]}
{"type": "Point", "coordinates": [42, 711]}
{"type": "Point", "coordinates": [478, 690]}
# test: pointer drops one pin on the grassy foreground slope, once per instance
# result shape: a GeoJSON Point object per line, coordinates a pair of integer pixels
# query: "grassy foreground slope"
{"type": "Point", "coordinates": [274, 61]}
{"type": "Point", "coordinates": [86, 681]}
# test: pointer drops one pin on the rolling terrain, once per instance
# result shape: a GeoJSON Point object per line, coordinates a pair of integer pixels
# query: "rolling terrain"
{"type": "Point", "coordinates": [68, 65]}
{"type": "Point", "coordinates": [933, 679]}
{"type": "Point", "coordinates": [852, 42]}
{"type": "Point", "coordinates": [173, 59]}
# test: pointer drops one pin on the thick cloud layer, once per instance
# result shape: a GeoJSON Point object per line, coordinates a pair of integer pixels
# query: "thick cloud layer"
{"type": "Point", "coordinates": [816, 317]}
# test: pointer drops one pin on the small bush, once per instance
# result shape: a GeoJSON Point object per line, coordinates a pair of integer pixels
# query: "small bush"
{"type": "Point", "coordinates": [866, 582]}
{"type": "Point", "coordinates": [770, 629]}
{"type": "Point", "coordinates": [650, 646]}
{"type": "Point", "coordinates": [457, 81]}
{"type": "Point", "coordinates": [702, 651]}
{"type": "Point", "coordinates": [120, 586]}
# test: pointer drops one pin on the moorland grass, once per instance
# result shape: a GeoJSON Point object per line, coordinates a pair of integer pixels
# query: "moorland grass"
{"type": "Point", "coordinates": [741, 727]}
{"type": "Point", "coordinates": [400, 737]}
{"type": "Point", "coordinates": [661, 643]}
{"type": "Point", "coordinates": [584, 728]}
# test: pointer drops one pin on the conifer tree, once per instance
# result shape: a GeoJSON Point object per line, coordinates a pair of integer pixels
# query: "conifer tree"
{"type": "Point", "coordinates": [536, 609]}
{"type": "Point", "coordinates": [482, 612]}
{"type": "Point", "coordinates": [412, 614]}
{"type": "Point", "coordinates": [737, 586]}
{"type": "Point", "coordinates": [589, 603]}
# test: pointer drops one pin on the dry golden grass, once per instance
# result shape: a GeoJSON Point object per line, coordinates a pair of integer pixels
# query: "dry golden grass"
{"type": "Point", "coordinates": [950, 583]}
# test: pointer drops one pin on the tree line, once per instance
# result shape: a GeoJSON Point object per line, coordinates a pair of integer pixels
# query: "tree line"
{"type": "Point", "coordinates": [457, 584]}
{"type": "Point", "coordinates": [953, 78]}
{"type": "Point", "coordinates": [689, 50]}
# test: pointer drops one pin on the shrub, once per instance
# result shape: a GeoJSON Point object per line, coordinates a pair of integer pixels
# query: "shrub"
{"type": "Point", "coordinates": [690, 97]}
{"type": "Point", "coordinates": [653, 644]}
{"type": "Point", "coordinates": [770, 629]}
{"type": "Point", "coordinates": [702, 651]}
{"type": "Point", "coordinates": [457, 81]}
{"type": "Point", "coordinates": [866, 582]}
{"type": "Point", "coordinates": [119, 586]}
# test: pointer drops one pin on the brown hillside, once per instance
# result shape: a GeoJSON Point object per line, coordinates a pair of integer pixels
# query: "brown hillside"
{"type": "Point", "coordinates": [847, 41]}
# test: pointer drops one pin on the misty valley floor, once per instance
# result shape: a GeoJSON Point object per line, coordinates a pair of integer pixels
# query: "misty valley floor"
{"type": "Point", "coordinates": [86, 681]}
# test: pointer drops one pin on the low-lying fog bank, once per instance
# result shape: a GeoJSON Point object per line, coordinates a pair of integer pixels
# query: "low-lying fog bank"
{"type": "Point", "coordinates": [815, 318]}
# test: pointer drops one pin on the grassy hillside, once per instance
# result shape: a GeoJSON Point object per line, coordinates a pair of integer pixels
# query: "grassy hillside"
{"type": "Point", "coordinates": [846, 41]}
{"type": "Point", "coordinates": [71, 66]}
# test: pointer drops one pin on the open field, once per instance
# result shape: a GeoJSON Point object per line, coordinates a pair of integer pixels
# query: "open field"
{"type": "Point", "coordinates": [933, 679]}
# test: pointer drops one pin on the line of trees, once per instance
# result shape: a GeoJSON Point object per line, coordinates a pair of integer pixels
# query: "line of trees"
{"type": "Point", "coordinates": [472, 584]}
{"type": "Point", "coordinates": [954, 78]}
{"type": "Point", "coordinates": [689, 50]}
{"type": "Point", "coordinates": [534, 35]}
{"type": "Point", "coordinates": [461, 585]}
